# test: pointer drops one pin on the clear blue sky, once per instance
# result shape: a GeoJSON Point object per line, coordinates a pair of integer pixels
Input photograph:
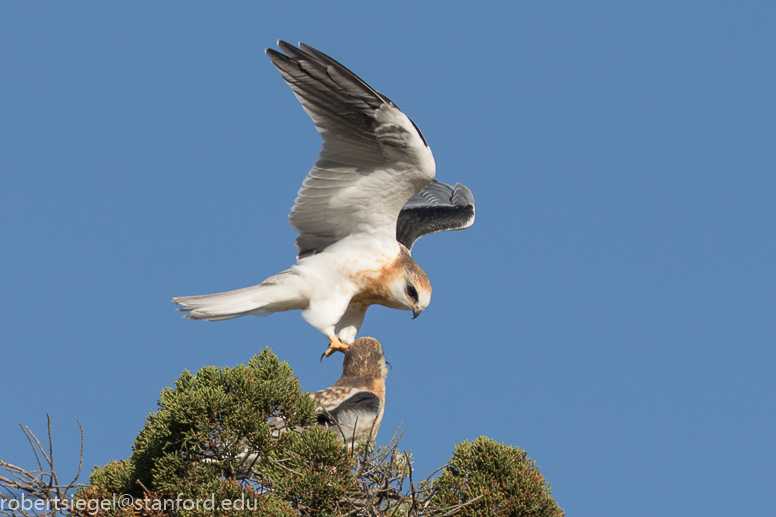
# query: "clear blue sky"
{"type": "Point", "coordinates": [611, 311]}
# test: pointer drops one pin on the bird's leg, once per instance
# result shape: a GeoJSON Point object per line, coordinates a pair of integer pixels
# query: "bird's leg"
{"type": "Point", "coordinates": [335, 345]}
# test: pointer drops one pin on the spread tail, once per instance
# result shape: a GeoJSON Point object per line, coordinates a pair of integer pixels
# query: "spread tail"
{"type": "Point", "coordinates": [276, 294]}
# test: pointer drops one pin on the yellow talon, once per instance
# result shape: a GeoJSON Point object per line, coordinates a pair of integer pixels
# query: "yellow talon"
{"type": "Point", "coordinates": [335, 346]}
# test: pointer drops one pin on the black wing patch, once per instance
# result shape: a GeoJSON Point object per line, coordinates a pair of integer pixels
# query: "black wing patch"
{"type": "Point", "coordinates": [363, 402]}
{"type": "Point", "coordinates": [437, 208]}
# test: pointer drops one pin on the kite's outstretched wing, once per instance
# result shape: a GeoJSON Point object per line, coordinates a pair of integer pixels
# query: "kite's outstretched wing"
{"type": "Point", "coordinates": [373, 158]}
{"type": "Point", "coordinates": [437, 208]}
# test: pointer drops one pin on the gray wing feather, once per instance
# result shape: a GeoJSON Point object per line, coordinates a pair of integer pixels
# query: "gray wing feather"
{"type": "Point", "coordinates": [438, 207]}
{"type": "Point", "coordinates": [373, 157]}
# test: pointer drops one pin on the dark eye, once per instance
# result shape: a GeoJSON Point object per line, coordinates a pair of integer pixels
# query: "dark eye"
{"type": "Point", "coordinates": [412, 293]}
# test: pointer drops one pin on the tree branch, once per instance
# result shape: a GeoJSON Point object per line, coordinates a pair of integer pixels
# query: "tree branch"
{"type": "Point", "coordinates": [38, 485]}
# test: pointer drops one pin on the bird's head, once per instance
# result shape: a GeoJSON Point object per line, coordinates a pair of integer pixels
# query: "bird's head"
{"type": "Point", "coordinates": [411, 290]}
{"type": "Point", "coordinates": [417, 292]}
{"type": "Point", "coordinates": [364, 358]}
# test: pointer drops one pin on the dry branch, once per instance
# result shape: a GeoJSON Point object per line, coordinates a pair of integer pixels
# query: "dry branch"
{"type": "Point", "coordinates": [27, 493]}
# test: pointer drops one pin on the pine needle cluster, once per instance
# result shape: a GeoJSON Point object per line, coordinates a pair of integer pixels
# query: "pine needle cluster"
{"type": "Point", "coordinates": [193, 449]}
{"type": "Point", "coordinates": [490, 478]}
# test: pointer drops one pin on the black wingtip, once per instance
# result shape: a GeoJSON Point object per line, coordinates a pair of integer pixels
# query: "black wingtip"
{"type": "Point", "coordinates": [438, 207]}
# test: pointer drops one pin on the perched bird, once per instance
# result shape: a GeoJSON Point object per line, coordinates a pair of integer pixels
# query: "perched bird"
{"type": "Point", "coordinates": [369, 196]}
{"type": "Point", "coordinates": [352, 407]}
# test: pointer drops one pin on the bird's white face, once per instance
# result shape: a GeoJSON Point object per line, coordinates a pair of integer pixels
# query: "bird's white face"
{"type": "Point", "coordinates": [411, 293]}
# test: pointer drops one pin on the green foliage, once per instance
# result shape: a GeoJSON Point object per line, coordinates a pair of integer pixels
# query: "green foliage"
{"type": "Point", "coordinates": [505, 480]}
{"type": "Point", "coordinates": [318, 472]}
{"type": "Point", "coordinates": [221, 410]}
{"type": "Point", "coordinates": [113, 478]}
{"type": "Point", "coordinates": [192, 449]}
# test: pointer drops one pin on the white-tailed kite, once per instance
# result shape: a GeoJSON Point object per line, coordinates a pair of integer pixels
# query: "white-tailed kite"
{"type": "Point", "coordinates": [369, 196]}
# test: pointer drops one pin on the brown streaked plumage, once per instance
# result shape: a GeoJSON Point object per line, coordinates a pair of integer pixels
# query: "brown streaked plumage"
{"type": "Point", "coordinates": [354, 405]}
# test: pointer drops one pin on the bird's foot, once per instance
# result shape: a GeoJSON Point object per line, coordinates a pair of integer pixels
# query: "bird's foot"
{"type": "Point", "coordinates": [335, 346]}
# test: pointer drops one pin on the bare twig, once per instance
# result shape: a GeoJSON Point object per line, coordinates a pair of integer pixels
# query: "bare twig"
{"type": "Point", "coordinates": [37, 485]}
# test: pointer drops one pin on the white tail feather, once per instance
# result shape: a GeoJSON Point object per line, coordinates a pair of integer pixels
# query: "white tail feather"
{"type": "Point", "coordinates": [276, 294]}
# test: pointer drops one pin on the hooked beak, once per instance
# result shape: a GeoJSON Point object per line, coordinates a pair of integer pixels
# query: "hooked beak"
{"type": "Point", "coordinates": [415, 312]}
